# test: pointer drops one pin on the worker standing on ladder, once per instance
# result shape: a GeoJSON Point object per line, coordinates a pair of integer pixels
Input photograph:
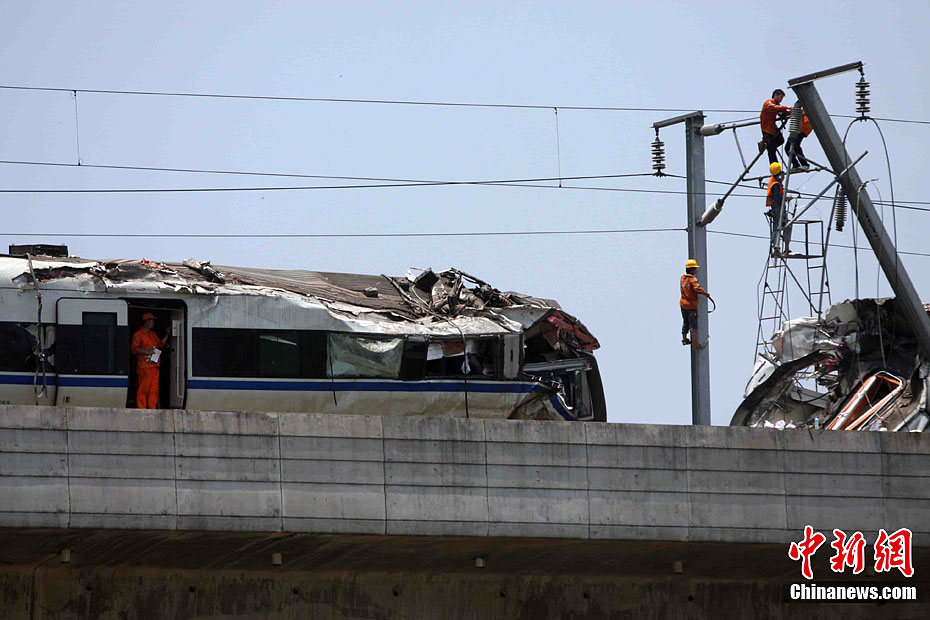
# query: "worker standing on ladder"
{"type": "Point", "coordinates": [771, 135]}
{"type": "Point", "coordinates": [690, 289]}
{"type": "Point", "coordinates": [796, 157]}
{"type": "Point", "coordinates": [775, 200]}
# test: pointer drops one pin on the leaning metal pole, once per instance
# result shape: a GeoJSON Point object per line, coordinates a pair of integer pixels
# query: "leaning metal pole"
{"type": "Point", "coordinates": [697, 249]}
{"type": "Point", "coordinates": [861, 204]}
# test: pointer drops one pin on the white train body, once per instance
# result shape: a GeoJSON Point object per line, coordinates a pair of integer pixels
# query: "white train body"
{"type": "Point", "coordinates": [285, 341]}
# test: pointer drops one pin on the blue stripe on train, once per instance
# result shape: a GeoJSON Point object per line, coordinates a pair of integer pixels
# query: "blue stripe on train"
{"type": "Point", "coordinates": [324, 385]}
{"type": "Point", "coordinates": [67, 381]}
{"type": "Point", "coordinates": [298, 386]}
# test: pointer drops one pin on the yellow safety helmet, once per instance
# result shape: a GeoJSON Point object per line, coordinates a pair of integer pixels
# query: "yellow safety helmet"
{"type": "Point", "coordinates": [775, 168]}
{"type": "Point", "coordinates": [691, 263]}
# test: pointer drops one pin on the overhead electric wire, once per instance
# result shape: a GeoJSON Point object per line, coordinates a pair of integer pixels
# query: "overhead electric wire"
{"type": "Point", "coordinates": [888, 120]}
{"type": "Point", "coordinates": [455, 104]}
{"type": "Point", "coordinates": [492, 233]}
{"type": "Point", "coordinates": [208, 171]}
{"type": "Point", "coordinates": [389, 182]}
{"type": "Point", "coordinates": [136, 190]}
{"type": "Point", "coordinates": [898, 203]}
{"type": "Point", "coordinates": [498, 183]}
{"type": "Point", "coordinates": [496, 233]}
{"type": "Point", "coordinates": [404, 182]}
{"type": "Point", "coordinates": [878, 267]}
{"type": "Point", "coordinates": [405, 102]}
{"type": "Point", "coordinates": [836, 245]}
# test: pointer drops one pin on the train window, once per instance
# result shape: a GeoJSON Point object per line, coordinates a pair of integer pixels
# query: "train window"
{"type": "Point", "coordinates": [99, 343]}
{"type": "Point", "coordinates": [207, 359]}
{"type": "Point", "coordinates": [313, 354]}
{"type": "Point", "coordinates": [413, 366]}
{"type": "Point", "coordinates": [454, 358]}
{"type": "Point", "coordinates": [278, 355]}
{"type": "Point", "coordinates": [17, 346]}
{"type": "Point", "coordinates": [357, 356]}
{"type": "Point", "coordinates": [225, 352]}
{"type": "Point", "coordinates": [68, 343]}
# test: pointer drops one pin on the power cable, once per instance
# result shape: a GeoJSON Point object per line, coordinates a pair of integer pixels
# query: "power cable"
{"type": "Point", "coordinates": [899, 203]}
{"type": "Point", "coordinates": [878, 268]}
{"type": "Point", "coordinates": [77, 127]}
{"type": "Point", "coordinates": [903, 204]}
{"type": "Point", "coordinates": [454, 104]}
{"type": "Point", "coordinates": [894, 220]}
{"type": "Point", "coordinates": [459, 104]}
{"type": "Point", "coordinates": [837, 245]}
{"type": "Point", "coordinates": [513, 182]}
{"type": "Point", "coordinates": [878, 271]}
{"type": "Point", "coordinates": [209, 171]}
{"type": "Point", "coordinates": [558, 146]}
{"type": "Point", "coordinates": [391, 180]}
{"type": "Point", "coordinates": [389, 183]}
{"type": "Point", "coordinates": [348, 235]}
{"type": "Point", "coordinates": [496, 233]}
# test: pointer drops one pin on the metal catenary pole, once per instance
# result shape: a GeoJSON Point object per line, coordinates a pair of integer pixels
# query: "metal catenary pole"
{"type": "Point", "coordinates": [861, 203]}
{"type": "Point", "coordinates": [697, 249]}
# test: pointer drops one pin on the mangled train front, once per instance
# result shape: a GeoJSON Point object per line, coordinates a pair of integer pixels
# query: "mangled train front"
{"type": "Point", "coordinates": [857, 368]}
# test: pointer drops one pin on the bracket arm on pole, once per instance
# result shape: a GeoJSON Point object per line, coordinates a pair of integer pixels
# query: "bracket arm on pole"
{"type": "Point", "coordinates": [835, 180]}
{"type": "Point", "coordinates": [817, 75]}
{"type": "Point", "coordinates": [677, 119]}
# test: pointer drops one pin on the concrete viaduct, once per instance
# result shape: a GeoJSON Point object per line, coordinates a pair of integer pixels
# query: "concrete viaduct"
{"type": "Point", "coordinates": [117, 513]}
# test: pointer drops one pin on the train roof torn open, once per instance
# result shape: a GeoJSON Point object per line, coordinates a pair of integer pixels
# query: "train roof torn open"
{"type": "Point", "coordinates": [422, 301]}
{"type": "Point", "coordinates": [857, 368]}
{"type": "Point", "coordinates": [448, 318]}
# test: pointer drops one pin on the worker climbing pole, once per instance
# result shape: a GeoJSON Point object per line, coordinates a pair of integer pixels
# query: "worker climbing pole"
{"type": "Point", "coordinates": [697, 251]}
{"type": "Point", "coordinates": [690, 290]}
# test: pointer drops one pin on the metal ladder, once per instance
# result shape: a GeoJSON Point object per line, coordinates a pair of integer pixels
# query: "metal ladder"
{"type": "Point", "coordinates": [780, 281]}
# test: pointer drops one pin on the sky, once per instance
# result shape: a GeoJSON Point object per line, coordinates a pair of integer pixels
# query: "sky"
{"type": "Point", "coordinates": [554, 55]}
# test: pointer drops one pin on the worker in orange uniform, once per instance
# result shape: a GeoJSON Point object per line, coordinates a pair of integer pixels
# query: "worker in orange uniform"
{"type": "Point", "coordinates": [799, 163]}
{"type": "Point", "coordinates": [775, 200]}
{"type": "Point", "coordinates": [690, 289]}
{"type": "Point", "coordinates": [147, 347]}
{"type": "Point", "coordinates": [771, 135]}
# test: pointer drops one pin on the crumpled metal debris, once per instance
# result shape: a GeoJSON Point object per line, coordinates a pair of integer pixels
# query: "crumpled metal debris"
{"type": "Point", "coordinates": [205, 269]}
{"type": "Point", "coordinates": [857, 368]}
{"type": "Point", "coordinates": [447, 293]}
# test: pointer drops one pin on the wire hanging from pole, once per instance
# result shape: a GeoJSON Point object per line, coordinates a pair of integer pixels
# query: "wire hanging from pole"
{"type": "Point", "coordinates": [77, 127]}
{"type": "Point", "coordinates": [878, 267]}
{"type": "Point", "coordinates": [558, 145]}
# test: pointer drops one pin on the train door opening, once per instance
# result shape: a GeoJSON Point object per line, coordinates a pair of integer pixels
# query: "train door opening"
{"type": "Point", "coordinates": [91, 352]}
{"type": "Point", "coordinates": [171, 327]}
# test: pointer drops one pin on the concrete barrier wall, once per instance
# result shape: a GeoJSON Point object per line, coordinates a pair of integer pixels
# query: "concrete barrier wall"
{"type": "Point", "coordinates": [185, 470]}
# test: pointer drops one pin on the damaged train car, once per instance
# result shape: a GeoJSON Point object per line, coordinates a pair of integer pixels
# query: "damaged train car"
{"type": "Point", "coordinates": [858, 368]}
{"type": "Point", "coordinates": [440, 344]}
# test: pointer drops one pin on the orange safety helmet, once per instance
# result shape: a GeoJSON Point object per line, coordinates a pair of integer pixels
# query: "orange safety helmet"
{"type": "Point", "coordinates": [147, 316]}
